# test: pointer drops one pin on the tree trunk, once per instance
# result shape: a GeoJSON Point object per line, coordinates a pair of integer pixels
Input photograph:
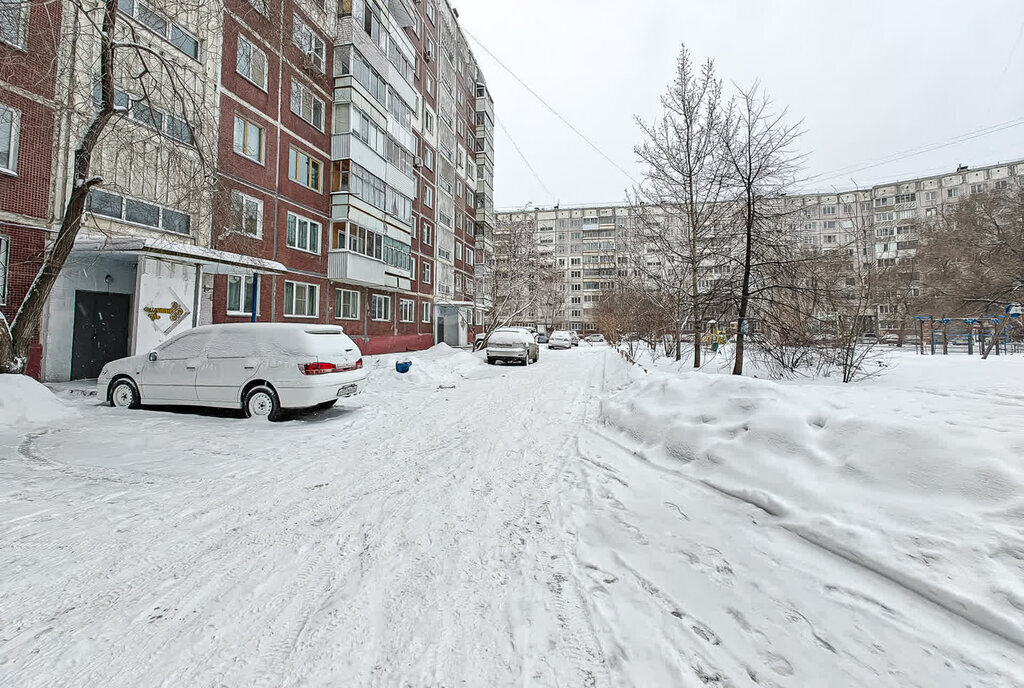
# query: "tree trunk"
{"type": "Point", "coordinates": [737, 368]}
{"type": "Point", "coordinates": [696, 335]}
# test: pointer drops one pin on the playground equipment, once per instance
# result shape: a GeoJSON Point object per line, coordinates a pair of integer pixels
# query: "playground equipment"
{"type": "Point", "coordinates": [1000, 333]}
{"type": "Point", "coordinates": [714, 335]}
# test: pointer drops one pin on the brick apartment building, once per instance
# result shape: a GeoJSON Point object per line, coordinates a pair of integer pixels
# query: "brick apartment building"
{"type": "Point", "coordinates": [352, 168]}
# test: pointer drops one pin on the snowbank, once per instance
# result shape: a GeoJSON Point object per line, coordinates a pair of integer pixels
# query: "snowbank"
{"type": "Point", "coordinates": [23, 401]}
{"type": "Point", "coordinates": [925, 488]}
{"type": "Point", "coordinates": [439, 365]}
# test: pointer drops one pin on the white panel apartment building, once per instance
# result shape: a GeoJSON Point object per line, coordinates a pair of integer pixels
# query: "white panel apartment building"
{"type": "Point", "coordinates": [586, 243]}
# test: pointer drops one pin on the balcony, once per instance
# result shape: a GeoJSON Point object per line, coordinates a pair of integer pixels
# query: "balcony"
{"type": "Point", "coordinates": [355, 268]}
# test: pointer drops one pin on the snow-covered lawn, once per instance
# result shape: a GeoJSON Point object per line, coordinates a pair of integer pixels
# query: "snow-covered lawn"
{"type": "Point", "coordinates": [575, 523]}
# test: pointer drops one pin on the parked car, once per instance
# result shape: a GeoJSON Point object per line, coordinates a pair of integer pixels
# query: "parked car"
{"type": "Point", "coordinates": [575, 337]}
{"type": "Point", "coordinates": [542, 339]}
{"type": "Point", "coordinates": [560, 339]}
{"type": "Point", "coordinates": [512, 346]}
{"type": "Point", "coordinates": [891, 338]}
{"type": "Point", "coordinates": [596, 339]}
{"type": "Point", "coordinates": [915, 340]}
{"type": "Point", "coordinates": [259, 368]}
{"type": "Point", "coordinates": [867, 338]}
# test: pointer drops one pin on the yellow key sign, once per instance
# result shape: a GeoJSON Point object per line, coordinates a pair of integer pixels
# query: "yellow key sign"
{"type": "Point", "coordinates": [174, 312]}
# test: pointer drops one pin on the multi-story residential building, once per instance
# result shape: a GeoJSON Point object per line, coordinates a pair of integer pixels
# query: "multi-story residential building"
{"type": "Point", "coordinates": [591, 250]}
{"type": "Point", "coordinates": [343, 142]}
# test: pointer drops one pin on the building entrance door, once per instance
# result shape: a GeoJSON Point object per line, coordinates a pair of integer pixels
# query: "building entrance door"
{"type": "Point", "coordinates": [101, 331]}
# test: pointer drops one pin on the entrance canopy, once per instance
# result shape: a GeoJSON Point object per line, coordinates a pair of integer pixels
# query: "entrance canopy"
{"type": "Point", "coordinates": [214, 262]}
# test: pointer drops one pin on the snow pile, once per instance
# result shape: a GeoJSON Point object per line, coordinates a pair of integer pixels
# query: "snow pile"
{"type": "Point", "coordinates": [436, 366]}
{"type": "Point", "coordinates": [920, 489]}
{"type": "Point", "coordinates": [23, 401]}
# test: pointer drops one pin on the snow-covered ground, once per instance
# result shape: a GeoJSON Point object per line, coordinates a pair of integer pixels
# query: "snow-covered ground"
{"type": "Point", "coordinates": [575, 523]}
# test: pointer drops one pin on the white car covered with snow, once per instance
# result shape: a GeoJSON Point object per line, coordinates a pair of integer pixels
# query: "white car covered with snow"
{"type": "Point", "coordinates": [260, 368]}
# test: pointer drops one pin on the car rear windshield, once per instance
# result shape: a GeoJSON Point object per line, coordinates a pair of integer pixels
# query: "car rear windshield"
{"type": "Point", "coordinates": [504, 338]}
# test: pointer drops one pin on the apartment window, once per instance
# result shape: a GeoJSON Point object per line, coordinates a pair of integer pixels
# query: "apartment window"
{"type": "Point", "coordinates": [251, 62]}
{"type": "Point", "coordinates": [380, 308]}
{"type": "Point", "coordinates": [952, 193]}
{"type": "Point", "coordinates": [301, 300]}
{"type": "Point", "coordinates": [426, 273]}
{"type": "Point", "coordinates": [246, 214]}
{"type": "Point", "coordinates": [574, 299]}
{"type": "Point", "coordinates": [428, 234]}
{"type": "Point", "coordinates": [427, 308]}
{"type": "Point", "coordinates": [10, 129]}
{"type": "Point", "coordinates": [346, 304]}
{"type": "Point", "coordinates": [306, 105]}
{"type": "Point", "coordinates": [249, 139]}
{"type": "Point", "coordinates": [577, 287]}
{"type": "Point", "coordinates": [359, 182]}
{"type": "Point", "coordinates": [260, 6]}
{"type": "Point", "coordinates": [308, 42]}
{"type": "Point", "coordinates": [931, 195]}
{"type": "Point", "coordinates": [828, 210]}
{"type": "Point", "coordinates": [458, 250]}
{"type": "Point", "coordinates": [906, 198]}
{"type": "Point", "coordinates": [430, 84]}
{"type": "Point", "coordinates": [367, 131]}
{"type": "Point", "coordinates": [305, 169]}
{"type": "Point", "coordinates": [303, 234]}
{"type": "Point", "coordinates": [428, 122]}
{"type": "Point", "coordinates": [428, 196]}
{"type": "Point", "coordinates": [13, 21]}
{"type": "Point", "coordinates": [1002, 185]}
{"type": "Point", "coordinates": [432, 13]}
{"type": "Point", "coordinates": [406, 311]}
{"type": "Point", "coordinates": [829, 239]}
{"type": "Point", "coordinates": [239, 300]}
{"type": "Point", "coordinates": [117, 207]}
{"type": "Point", "coordinates": [469, 256]}
{"type": "Point", "coordinates": [977, 188]}
{"type": "Point", "coordinates": [931, 212]}
{"type": "Point", "coordinates": [428, 158]}
{"type": "Point", "coordinates": [158, 24]}
{"type": "Point", "coordinates": [575, 261]}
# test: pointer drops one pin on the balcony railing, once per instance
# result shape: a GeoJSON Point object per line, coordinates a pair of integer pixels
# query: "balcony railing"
{"type": "Point", "coordinates": [355, 268]}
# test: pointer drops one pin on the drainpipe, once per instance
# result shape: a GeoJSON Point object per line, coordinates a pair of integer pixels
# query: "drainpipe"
{"type": "Point", "coordinates": [255, 295]}
{"type": "Point", "coordinates": [197, 300]}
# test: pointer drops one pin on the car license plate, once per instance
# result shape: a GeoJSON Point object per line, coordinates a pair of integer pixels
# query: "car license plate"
{"type": "Point", "coordinates": [347, 390]}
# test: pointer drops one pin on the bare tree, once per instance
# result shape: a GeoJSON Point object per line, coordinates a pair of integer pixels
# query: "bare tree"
{"type": "Point", "coordinates": [677, 210]}
{"type": "Point", "coordinates": [763, 166]}
{"type": "Point", "coordinates": [121, 85]}
{"type": "Point", "coordinates": [514, 284]}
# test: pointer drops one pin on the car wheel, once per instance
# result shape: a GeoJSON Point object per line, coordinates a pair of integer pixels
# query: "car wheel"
{"type": "Point", "coordinates": [490, 361]}
{"type": "Point", "coordinates": [124, 394]}
{"type": "Point", "coordinates": [261, 402]}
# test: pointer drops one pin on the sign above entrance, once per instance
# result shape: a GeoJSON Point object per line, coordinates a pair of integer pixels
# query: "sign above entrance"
{"type": "Point", "coordinates": [175, 313]}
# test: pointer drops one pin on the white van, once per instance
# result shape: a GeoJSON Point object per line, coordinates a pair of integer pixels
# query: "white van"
{"type": "Point", "coordinates": [260, 368]}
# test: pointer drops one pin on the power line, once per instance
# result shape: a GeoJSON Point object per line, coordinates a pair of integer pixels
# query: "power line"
{"type": "Point", "coordinates": [528, 165]}
{"type": "Point", "coordinates": [550, 109]}
{"type": "Point", "coordinates": [921, 150]}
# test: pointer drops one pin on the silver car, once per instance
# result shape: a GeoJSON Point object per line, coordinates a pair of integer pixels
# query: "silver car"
{"type": "Point", "coordinates": [512, 346]}
{"type": "Point", "coordinates": [560, 340]}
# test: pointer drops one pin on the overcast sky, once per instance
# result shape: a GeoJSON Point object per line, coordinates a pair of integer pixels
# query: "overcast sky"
{"type": "Point", "coordinates": [869, 78]}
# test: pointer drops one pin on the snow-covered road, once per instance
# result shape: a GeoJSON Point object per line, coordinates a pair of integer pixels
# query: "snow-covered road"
{"type": "Point", "coordinates": [461, 525]}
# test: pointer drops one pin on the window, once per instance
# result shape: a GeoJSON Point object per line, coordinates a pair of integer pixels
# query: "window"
{"type": "Point", "coordinates": [251, 62]}
{"type": "Point", "coordinates": [239, 295]}
{"type": "Point", "coordinates": [952, 193]}
{"type": "Point", "coordinates": [428, 234]}
{"type": "Point", "coordinates": [357, 181]}
{"type": "Point", "coordinates": [305, 169]}
{"type": "Point", "coordinates": [1002, 185]}
{"type": "Point", "coordinates": [428, 196]}
{"type": "Point", "coordinates": [13, 17]}
{"type": "Point", "coordinates": [367, 131]}
{"type": "Point", "coordinates": [301, 300]}
{"type": "Point", "coordinates": [308, 42]}
{"type": "Point", "coordinates": [428, 158]}
{"type": "Point", "coordinates": [246, 214]}
{"type": "Point", "coordinates": [426, 273]}
{"type": "Point", "coordinates": [977, 188]}
{"type": "Point", "coordinates": [426, 306]}
{"type": "Point", "coordinates": [303, 234]}
{"type": "Point", "coordinates": [10, 128]}
{"type": "Point", "coordinates": [469, 256]}
{"type": "Point", "coordinates": [406, 311]}
{"type": "Point", "coordinates": [306, 105]}
{"type": "Point", "coordinates": [346, 304]}
{"type": "Point", "coordinates": [828, 210]}
{"type": "Point", "coordinates": [380, 308]}
{"type": "Point", "coordinates": [931, 195]}
{"type": "Point", "coordinates": [260, 6]}
{"type": "Point", "coordinates": [428, 122]}
{"type": "Point", "coordinates": [577, 287]}
{"type": "Point", "coordinates": [248, 139]}
{"type": "Point", "coordinates": [906, 198]}
{"type": "Point", "coordinates": [117, 207]}
{"type": "Point", "coordinates": [5, 258]}
{"type": "Point", "coordinates": [931, 212]}
{"type": "Point", "coordinates": [458, 250]}
{"type": "Point", "coordinates": [431, 12]}
{"type": "Point", "coordinates": [155, 22]}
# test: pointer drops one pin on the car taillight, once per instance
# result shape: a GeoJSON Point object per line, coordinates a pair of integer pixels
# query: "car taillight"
{"type": "Point", "coordinates": [317, 368]}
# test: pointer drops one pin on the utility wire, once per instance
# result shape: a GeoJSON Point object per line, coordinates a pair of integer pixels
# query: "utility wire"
{"type": "Point", "coordinates": [550, 109]}
{"type": "Point", "coordinates": [921, 150]}
{"type": "Point", "coordinates": [528, 165]}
